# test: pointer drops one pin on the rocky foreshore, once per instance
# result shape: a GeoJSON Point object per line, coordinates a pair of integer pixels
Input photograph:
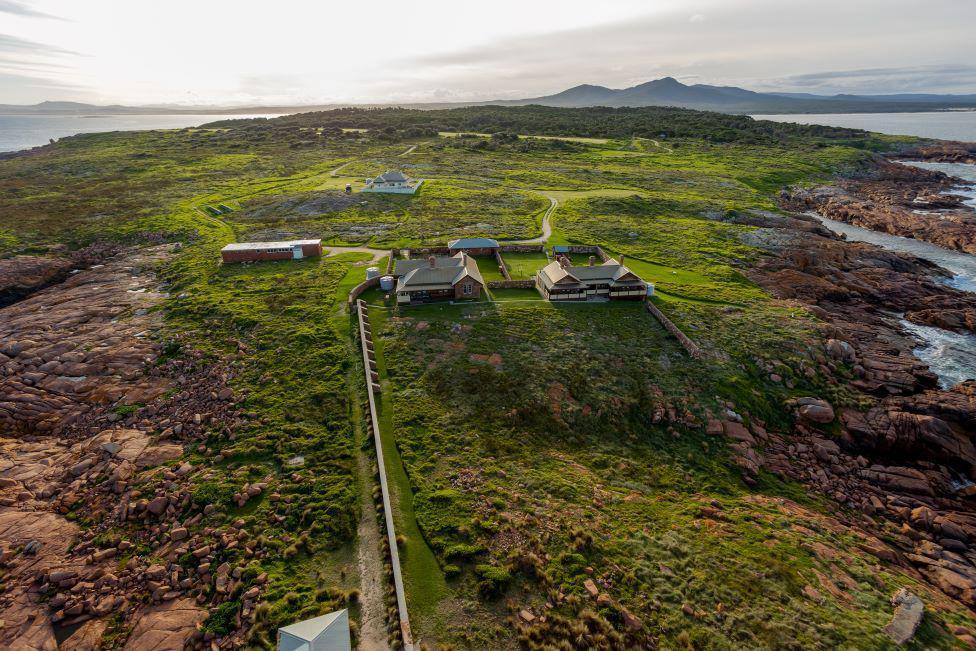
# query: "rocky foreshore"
{"type": "Point", "coordinates": [90, 414]}
{"type": "Point", "coordinates": [905, 465]}
{"type": "Point", "coordinates": [896, 199]}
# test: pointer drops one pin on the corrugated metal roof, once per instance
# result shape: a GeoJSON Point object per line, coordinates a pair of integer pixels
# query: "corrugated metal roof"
{"type": "Point", "coordinates": [419, 275]}
{"type": "Point", "coordinates": [390, 176]}
{"type": "Point", "coordinates": [311, 628]}
{"type": "Point", "coordinates": [473, 243]}
{"type": "Point", "coordinates": [258, 246]}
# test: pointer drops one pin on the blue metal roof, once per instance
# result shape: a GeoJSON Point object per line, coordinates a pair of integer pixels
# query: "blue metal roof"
{"type": "Point", "coordinates": [473, 243]}
{"type": "Point", "coordinates": [560, 248]}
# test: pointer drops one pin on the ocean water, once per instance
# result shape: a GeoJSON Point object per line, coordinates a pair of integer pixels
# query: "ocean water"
{"type": "Point", "coordinates": [958, 170]}
{"type": "Point", "coordinates": [950, 355]}
{"type": "Point", "coordinates": [26, 131]}
{"type": "Point", "coordinates": [946, 125]}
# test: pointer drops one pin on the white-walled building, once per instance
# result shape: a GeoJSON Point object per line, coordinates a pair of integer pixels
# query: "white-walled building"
{"type": "Point", "coordinates": [393, 181]}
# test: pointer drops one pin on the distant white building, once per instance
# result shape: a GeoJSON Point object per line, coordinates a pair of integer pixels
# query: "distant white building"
{"type": "Point", "coordinates": [393, 181]}
{"type": "Point", "coordinates": [326, 633]}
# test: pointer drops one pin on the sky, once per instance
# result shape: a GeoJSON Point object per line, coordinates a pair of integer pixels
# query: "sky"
{"type": "Point", "coordinates": [254, 52]}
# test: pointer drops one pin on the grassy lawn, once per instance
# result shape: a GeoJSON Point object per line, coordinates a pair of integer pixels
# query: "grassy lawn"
{"type": "Point", "coordinates": [522, 266]}
{"type": "Point", "coordinates": [488, 267]}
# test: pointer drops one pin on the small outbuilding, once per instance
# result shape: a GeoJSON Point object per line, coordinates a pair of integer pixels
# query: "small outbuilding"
{"type": "Point", "coordinates": [257, 251]}
{"type": "Point", "coordinates": [326, 633]}
{"type": "Point", "coordinates": [392, 181]}
{"type": "Point", "coordinates": [473, 246]}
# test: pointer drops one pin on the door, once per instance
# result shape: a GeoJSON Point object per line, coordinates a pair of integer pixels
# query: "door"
{"type": "Point", "coordinates": [296, 253]}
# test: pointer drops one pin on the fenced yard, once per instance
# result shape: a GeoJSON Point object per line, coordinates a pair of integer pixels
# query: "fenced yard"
{"type": "Point", "coordinates": [522, 266]}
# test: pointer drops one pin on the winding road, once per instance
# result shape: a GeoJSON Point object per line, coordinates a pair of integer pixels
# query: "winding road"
{"type": "Point", "coordinates": [546, 227]}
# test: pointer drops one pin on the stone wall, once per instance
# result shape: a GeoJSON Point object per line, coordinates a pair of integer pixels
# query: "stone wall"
{"type": "Point", "coordinates": [356, 291]}
{"type": "Point", "coordinates": [511, 284]}
{"type": "Point", "coordinates": [522, 248]}
{"type": "Point", "coordinates": [682, 338]}
{"type": "Point", "coordinates": [425, 251]}
{"type": "Point", "coordinates": [501, 266]}
{"type": "Point", "coordinates": [589, 249]}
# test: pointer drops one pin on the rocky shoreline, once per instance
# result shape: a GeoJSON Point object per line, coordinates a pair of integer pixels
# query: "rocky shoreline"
{"type": "Point", "coordinates": [905, 465]}
{"type": "Point", "coordinates": [895, 199]}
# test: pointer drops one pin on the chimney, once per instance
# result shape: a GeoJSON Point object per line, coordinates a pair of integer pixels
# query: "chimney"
{"type": "Point", "coordinates": [432, 261]}
{"type": "Point", "coordinates": [592, 260]}
{"type": "Point", "coordinates": [621, 259]}
{"type": "Point", "coordinates": [563, 261]}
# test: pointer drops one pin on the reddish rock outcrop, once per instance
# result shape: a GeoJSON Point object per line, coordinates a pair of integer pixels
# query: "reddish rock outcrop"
{"type": "Point", "coordinates": [895, 199]}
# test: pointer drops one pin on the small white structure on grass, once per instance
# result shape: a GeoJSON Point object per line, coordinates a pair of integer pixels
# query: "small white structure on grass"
{"type": "Point", "coordinates": [326, 633]}
{"type": "Point", "coordinates": [392, 181]}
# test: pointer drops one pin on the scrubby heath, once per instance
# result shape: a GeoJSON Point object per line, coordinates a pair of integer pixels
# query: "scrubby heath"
{"type": "Point", "coordinates": [554, 486]}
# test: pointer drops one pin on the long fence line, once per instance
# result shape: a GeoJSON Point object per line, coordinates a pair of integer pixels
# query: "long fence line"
{"type": "Point", "coordinates": [372, 387]}
{"type": "Point", "coordinates": [682, 338]}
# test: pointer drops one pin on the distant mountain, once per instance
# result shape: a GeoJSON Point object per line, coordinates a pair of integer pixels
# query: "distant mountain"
{"type": "Point", "coordinates": [730, 99]}
{"type": "Point", "coordinates": [659, 92]}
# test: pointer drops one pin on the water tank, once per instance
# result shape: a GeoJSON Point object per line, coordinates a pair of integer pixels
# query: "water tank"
{"type": "Point", "coordinates": [372, 272]}
{"type": "Point", "coordinates": [386, 283]}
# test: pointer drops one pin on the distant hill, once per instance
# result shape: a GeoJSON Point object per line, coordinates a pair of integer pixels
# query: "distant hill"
{"type": "Point", "coordinates": [659, 92]}
{"type": "Point", "coordinates": [730, 99]}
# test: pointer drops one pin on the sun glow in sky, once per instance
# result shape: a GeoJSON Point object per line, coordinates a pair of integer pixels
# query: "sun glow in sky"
{"type": "Point", "coordinates": [292, 52]}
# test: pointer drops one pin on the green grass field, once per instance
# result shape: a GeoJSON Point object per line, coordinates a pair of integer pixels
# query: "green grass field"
{"type": "Point", "coordinates": [522, 266]}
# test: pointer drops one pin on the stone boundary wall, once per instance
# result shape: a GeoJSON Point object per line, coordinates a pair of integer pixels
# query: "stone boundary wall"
{"type": "Point", "coordinates": [391, 261]}
{"type": "Point", "coordinates": [511, 284]}
{"type": "Point", "coordinates": [373, 424]}
{"type": "Point", "coordinates": [682, 338]}
{"type": "Point", "coordinates": [356, 291]}
{"type": "Point", "coordinates": [425, 251]}
{"type": "Point", "coordinates": [589, 249]}
{"type": "Point", "coordinates": [522, 248]}
{"type": "Point", "coordinates": [501, 266]}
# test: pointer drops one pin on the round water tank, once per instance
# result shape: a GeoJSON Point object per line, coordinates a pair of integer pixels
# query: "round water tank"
{"type": "Point", "coordinates": [386, 283]}
{"type": "Point", "coordinates": [372, 272]}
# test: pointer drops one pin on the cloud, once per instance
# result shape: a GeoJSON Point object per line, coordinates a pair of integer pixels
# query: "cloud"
{"type": "Point", "coordinates": [20, 9]}
{"type": "Point", "coordinates": [15, 45]}
{"type": "Point", "coordinates": [30, 70]}
{"type": "Point", "coordinates": [946, 77]}
{"type": "Point", "coordinates": [29, 86]}
{"type": "Point", "coordinates": [754, 43]}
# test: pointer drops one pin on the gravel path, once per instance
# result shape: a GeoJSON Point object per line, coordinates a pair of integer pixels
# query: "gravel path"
{"type": "Point", "coordinates": [546, 227]}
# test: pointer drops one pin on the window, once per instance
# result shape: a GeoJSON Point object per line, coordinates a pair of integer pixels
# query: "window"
{"type": "Point", "coordinates": [467, 288]}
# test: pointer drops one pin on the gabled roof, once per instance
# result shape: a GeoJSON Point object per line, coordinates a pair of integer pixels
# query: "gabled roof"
{"type": "Point", "coordinates": [610, 272]}
{"type": "Point", "coordinates": [389, 176]}
{"type": "Point", "coordinates": [257, 246]}
{"type": "Point", "coordinates": [473, 243]}
{"type": "Point", "coordinates": [446, 272]}
{"type": "Point", "coordinates": [310, 629]}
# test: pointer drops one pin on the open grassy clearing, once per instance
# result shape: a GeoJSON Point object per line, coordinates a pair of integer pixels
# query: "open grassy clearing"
{"type": "Point", "coordinates": [528, 435]}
